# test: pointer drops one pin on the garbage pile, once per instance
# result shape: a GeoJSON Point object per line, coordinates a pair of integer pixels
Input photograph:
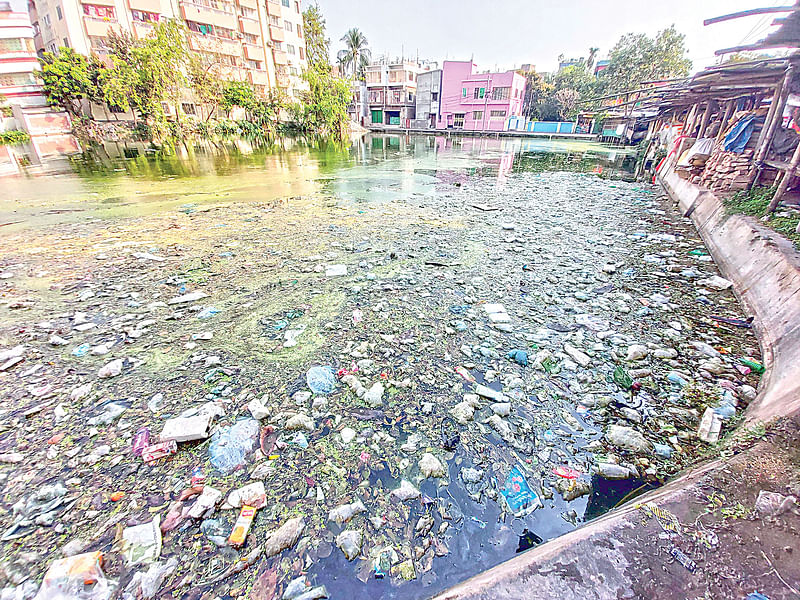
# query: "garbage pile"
{"type": "Point", "coordinates": [267, 402]}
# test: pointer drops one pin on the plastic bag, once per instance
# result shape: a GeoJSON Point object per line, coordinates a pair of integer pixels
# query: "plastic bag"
{"type": "Point", "coordinates": [78, 577]}
{"type": "Point", "coordinates": [519, 497]}
{"type": "Point", "coordinates": [230, 445]}
{"type": "Point", "coordinates": [142, 543]}
{"type": "Point", "coordinates": [149, 581]}
{"type": "Point", "coordinates": [321, 380]}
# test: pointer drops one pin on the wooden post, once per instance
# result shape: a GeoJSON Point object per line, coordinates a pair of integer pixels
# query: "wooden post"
{"type": "Point", "coordinates": [787, 176]}
{"type": "Point", "coordinates": [706, 118]}
{"type": "Point", "coordinates": [725, 118]}
{"type": "Point", "coordinates": [782, 94]}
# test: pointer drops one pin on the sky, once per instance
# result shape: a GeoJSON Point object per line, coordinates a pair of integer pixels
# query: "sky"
{"type": "Point", "coordinates": [507, 33]}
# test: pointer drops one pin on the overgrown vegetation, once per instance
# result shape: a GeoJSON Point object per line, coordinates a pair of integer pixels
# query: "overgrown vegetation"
{"type": "Point", "coordinates": [755, 202]}
{"type": "Point", "coordinates": [154, 79]}
{"type": "Point", "coordinates": [13, 137]}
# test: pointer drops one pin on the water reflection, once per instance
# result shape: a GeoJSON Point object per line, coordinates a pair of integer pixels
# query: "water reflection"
{"type": "Point", "coordinates": [130, 179]}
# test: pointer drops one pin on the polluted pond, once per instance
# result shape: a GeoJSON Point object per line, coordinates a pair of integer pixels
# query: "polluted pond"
{"type": "Point", "coordinates": [322, 398]}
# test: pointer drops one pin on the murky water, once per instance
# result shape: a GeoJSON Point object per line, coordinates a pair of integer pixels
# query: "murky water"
{"type": "Point", "coordinates": [433, 230]}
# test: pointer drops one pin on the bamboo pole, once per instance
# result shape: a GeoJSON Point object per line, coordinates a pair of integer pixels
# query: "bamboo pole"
{"type": "Point", "coordinates": [777, 115]}
{"type": "Point", "coordinates": [787, 176]}
{"type": "Point", "coordinates": [726, 117]}
{"type": "Point", "coordinates": [706, 118]}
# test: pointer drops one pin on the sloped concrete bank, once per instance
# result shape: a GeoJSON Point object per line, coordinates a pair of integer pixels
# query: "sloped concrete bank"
{"type": "Point", "coordinates": [626, 555]}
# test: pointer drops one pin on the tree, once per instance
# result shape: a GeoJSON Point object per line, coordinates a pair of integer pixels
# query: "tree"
{"type": "Point", "coordinates": [356, 56]}
{"type": "Point", "coordinates": [590, 61]}
{"type": "Point", "coordinates": [637, 58]}
{"type": "Point", "coordinates": [324, 107]}
{"type": "Point", "coordinates": [575, 77]}
{"type": "Point", "coordinates": [317, 45]}
{"type": "Point", "coordinates": [537, 89]}
{"type": "Point", "coordinates": [237, 93]}
{"type": "Point", "coordinates": [66, 79]}
{"type": "Point", "coordinates": [204, 77]}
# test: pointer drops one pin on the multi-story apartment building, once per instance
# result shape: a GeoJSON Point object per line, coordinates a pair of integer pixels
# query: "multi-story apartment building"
{"type": "Point", "coordinates": [478, 101]}
{"type": "Point", "coordinates": [392, 90]}
{"type": "Point", "coordinates": [429, 90]}
{"type": "Point", "coordinates": [18, 60]}
{"type": "Point", "coordinates": [260, 41]}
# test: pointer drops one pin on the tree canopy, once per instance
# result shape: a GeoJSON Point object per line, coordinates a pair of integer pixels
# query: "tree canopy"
{"type": "Point", "coordinates": [317, 45]}
{"type": "Point", "coordinates": [356, 55]}
{"type": "Point", "coordinates": [637, 58]}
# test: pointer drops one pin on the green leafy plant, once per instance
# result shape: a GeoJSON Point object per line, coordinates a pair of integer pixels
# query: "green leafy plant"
{"type": "Point", "coordinates": [13, 137]}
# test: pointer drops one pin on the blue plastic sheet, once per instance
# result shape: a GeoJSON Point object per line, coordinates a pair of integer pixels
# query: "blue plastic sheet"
{"type": "Point", "coordinates": [739, 135]}
{"type": "Point", "coordinates": [519, 496]}
{"type": "Point", "coordinates": [230, 446]}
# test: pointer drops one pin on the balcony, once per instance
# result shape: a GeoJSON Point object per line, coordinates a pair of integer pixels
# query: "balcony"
{"type": "Point", "coordinates": [217, 45]}
{"type": "Point", "coordinates": [97, 27]}
{"type": "Point", "coordinates": [254, 52]}
{"type": "Point", "coordinates": [249, 25]}
{"type": "Point", "coordinates": [280, 57]}
{"type": "Point", "coordinates": [248, 4]}
{"type": "Point", "coordinates": [282, 80]}
{"type": "Point", "coordinates": [102, 3]}
{"type": "Point", "coordinates": [151, 6]}
{"type": "Point", "coordinates": [205, 14]}
{"type": "Point", "coordinates": [258, 77]}
{"type": "Point", "coordinates": [277, 34]}
{"type": "Point", "coordinates": [274, 8]}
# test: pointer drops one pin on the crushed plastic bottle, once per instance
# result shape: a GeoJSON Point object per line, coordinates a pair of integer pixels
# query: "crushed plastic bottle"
{"type": "Point", "coordinates": [321, 380]}
{"type": "Point", "coordinates": [230, 446]}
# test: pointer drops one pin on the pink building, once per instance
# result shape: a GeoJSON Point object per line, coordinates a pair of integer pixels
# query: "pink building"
{"type": "Point", "coordinates": [478, 101]}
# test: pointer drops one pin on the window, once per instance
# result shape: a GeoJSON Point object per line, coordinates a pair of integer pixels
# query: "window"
{"type": "Point", "coordinates": [477, 115]}
{"type": "Point", "coordinates": [459, 120]}
{"type": "Point", "coordinates": [278, 46]}
{"type": "Point", "coordinates": [479, 93]}
{"type": "Point", "coordinates": [302, 53]}
{"type": "Point", "coordinates": [290, 49]}
{"type": "Point", "coordinates": [297, 7]}
{"type": "Point", "coordinates": [274, 20]}
{"type": "Point", "coordinates": [377, 116]}
{"type": "Point", "coordinates": [494, 114]}
{"type": "Point", "coordinates": [187, 108]}
{"type": "Point", "coordinates": [411, 77]}
{"type": "Point", "coordinates": [222, 32]}
{"type": "Point", "coordinates": [463, 92]}
{"type": "Point", "coordinates": [144, 17]}
{"type": "Point", "coordinates": [58, 12]}
{"type": "Point", "coordinates": [250, 38]}
{"type": "Point", "coordinates": [246, 12]}
{"type": "Point", "coordinates": [66, 43]}
{"type": "Point", "coordinates": [299, 30]}
{"type": "Point", "coordinates": [287, 26]}
{"type": "Point", "coordinates": [253, 64]}
{"type": "Point", "coordinates": [11, 45]}
{"type": "Point", "coordinates": [98, 12]}
{"type": "Point", "coordinates": [293, 71]}
{"type": "Point", "coordinates": [434, 96]}
{"type": "Point", "coordinates": [13, 79]}
{"type": "Point", "coordinates": [46, 20]}
{"type": "Point", "coordinates": [376, 97]}
{"type": "Point", "coordinates": [501, 93]}
{"type": "Point", "coordinates": [285, 3]}
{"type": "Point", "coordinates": [201, 28]}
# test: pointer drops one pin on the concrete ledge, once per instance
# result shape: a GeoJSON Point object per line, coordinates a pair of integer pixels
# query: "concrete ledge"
{"type": "Point", "coordinates": [620, 555]}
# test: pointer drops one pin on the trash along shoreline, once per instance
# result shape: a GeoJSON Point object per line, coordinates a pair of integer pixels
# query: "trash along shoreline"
{"type": "Point", "coordinates": [320, 399]}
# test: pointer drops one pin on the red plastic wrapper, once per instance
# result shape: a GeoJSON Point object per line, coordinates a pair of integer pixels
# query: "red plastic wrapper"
{"type": "Point", "coordinates": [160, 450]}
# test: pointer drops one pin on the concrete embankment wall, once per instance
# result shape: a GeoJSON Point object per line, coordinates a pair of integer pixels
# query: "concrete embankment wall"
{"type": "Point", "coordinates": [604, 559]}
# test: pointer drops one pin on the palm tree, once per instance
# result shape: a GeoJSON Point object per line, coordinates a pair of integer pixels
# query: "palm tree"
{"type": "Point", "coordinates": [356, 55]}
{"type": "Point", "coordinates": [590, 60]}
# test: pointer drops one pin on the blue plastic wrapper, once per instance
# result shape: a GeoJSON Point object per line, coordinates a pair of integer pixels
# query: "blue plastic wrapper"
{"type": "Point", "coordinates": [321, 380]}
{"type": "Point", "coordinates": [519, 496]}
{"type": "Point", "coordinates": [519, 356]}
{"type": "Point", "coordinates": [230, 446]}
